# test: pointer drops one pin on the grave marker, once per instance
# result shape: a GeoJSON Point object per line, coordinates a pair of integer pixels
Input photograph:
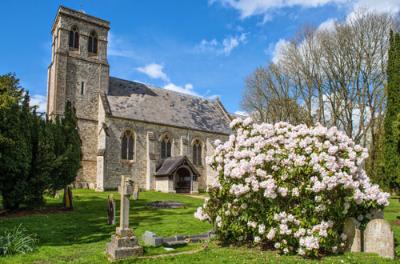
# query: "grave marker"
{"type": "Point", "coordinates": [124, 244]}
{"type": "Point", "coordinates": [353, 233]}
{"type": "Point", "coordinates": [378, 238]}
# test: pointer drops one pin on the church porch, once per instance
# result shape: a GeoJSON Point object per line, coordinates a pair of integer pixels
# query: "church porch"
{"type": "Point", "coordinates": [176, 175]}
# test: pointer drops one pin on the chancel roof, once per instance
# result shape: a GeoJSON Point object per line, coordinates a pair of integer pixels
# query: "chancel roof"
{"type": "Point", "coordinates": [138, 101]}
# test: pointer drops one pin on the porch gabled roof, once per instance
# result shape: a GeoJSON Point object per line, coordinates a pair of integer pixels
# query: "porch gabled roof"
{"type": "Point", "coordinates": [172, 164]}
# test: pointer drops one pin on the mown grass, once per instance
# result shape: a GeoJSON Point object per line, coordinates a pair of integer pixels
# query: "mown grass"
{"type": "Point", "coordinates": [80, 236]}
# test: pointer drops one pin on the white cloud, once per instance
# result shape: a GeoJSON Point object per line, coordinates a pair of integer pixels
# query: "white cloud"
{"type": "Point", "coordinates": [187, 88]}
{"type": "Point", "coordinates": [248, 8]}
{"type": "Point", "coordinates": [40, 101]}
{"type": "Point", "coordinates": [390, 6]}
{"type": "Point", "coordinates": [155, 71]}
{"type": "Point", "coordinates": [232, 42]}
{"type": "Point", "coordinates": [328, 24]}
{"type": "Point", "coordinates": [241, 113]}
{"type": "Point", "coordinates": [278, 49]}
{"type": "Point", "coordinates": [225, 46]}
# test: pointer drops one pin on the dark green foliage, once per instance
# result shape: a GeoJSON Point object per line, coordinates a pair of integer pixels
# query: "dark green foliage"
{"type": "Point", "coordinates": [15, 154]}
{"type": "Point", "coordinates": [17, 241]}
{"type": "Point", "coordinates": [374, 165]}
{"type": "Point", "coordinates": [391, 148]}
{"type": "Point", "coordinates": [67, 149]}
{"type": "Point", "coordinates": [36, 155]}
{"type": "Point", "coordinates": [42, 161]}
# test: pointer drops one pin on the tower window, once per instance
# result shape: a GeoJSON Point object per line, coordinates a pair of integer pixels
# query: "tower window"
{"type": "Point", "coordinates": [92, 43]}
{"type": "Point", "coordinates": [197, 152]}
{"type": "Point", "coordinates": [165, 147]}
{"type": "Point", "coordinates": [127, 146]}
{"type": "Point", "coordinates": [82, 88]}
{"type": "Point", "coordinates": [74, 38]}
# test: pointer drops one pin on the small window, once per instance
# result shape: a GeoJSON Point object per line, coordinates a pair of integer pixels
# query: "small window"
{"type": "Point", "coordinates": [92, 43]}
{"type": "Point", "coordinates": [165, 147]}
{"type": "Point", "coordinates": [74, 38]}
{"type": "Point", "coordinates": [197, 152]}
{"type": "Point", "coordinates": [127, 146]}
{"type": "Point", "coordinates": [82, 88]}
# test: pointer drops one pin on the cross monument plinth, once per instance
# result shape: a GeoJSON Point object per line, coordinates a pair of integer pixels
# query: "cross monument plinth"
{"type": "Point", "coordinates": [124, 243]}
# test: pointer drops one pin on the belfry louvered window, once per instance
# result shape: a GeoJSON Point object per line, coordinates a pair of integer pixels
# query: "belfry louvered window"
{"type": "Point", "coordinates": [74, 38]}
{"type": "Point", "coordinates": [165, 147]}
{"type": "Point", "coordinates": [92, 43]}
{"type": "Point", "coordinates": [197, 152]}
{"type": "Point", "coordinates": [127, 146]}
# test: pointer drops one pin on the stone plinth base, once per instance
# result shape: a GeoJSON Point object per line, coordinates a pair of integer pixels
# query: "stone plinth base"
{"type": "Point", "coordinates": [123, 247]}
{"type": "Point", "coordinates": [124, 232]}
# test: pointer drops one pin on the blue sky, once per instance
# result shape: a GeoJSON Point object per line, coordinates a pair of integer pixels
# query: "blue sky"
{"type": "Point", "coordinates": [206, 48]}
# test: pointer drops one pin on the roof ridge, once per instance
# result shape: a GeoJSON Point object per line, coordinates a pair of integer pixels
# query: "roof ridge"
{"type": "Point", "coordinates": [135, 100]}
{"type": "Point", "coordinates": [153, 87]}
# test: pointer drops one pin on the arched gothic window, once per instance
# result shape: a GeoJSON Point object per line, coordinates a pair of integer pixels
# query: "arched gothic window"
{"type": "Point", "coordinates": [197, 152]}
{"type": "Point", "coordinates": [165, 147]}
{"type": "Point", "coordinates": [92, 43]}
{"type": "Point", "coordinates": [74, 38]}
{"type": "Point", "coordinates": [128, 146]}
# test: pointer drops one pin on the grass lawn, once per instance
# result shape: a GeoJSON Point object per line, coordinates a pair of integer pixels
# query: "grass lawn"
{"type": "Point", "coordinates": [80, 236]}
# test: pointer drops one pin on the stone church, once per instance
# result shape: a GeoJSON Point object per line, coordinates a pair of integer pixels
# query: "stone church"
{"type": "Point", "coordinates": [158, 137]}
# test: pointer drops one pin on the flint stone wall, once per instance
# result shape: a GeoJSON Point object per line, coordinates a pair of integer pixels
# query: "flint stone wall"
{"type": "Point", "coordinates": [137, 168]}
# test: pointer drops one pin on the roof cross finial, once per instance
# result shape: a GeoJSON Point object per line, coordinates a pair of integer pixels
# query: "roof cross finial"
{"type": "Point", "coordinates": [81, 7]}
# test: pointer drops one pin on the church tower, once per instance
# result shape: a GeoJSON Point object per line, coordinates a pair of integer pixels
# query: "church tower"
{"type": "Point", "coordinates": [79, 73]}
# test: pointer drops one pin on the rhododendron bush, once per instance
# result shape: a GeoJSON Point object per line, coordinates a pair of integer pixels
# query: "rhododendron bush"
{"type": "Point", "coordinates": [289, 187]}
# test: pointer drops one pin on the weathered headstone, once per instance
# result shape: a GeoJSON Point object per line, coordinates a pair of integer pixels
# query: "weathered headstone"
{"type": "Point", "coordinates": [378, 238]}
{"type": "Point", "coordinates": [135, 192]}
{"type": "Point", "coordinates": [376, 214]}
{"type": "Point", "coordinates": [151, 239]}
{"type": "Point", "coordinates": [124, 244]}
{"type": "Point", "coordinates": [353, 234]}
{"type": "Point", "coordinates": [111, 210]}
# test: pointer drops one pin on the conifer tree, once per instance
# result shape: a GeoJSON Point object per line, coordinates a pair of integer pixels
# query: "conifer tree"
{"type": "Point", "coordinates": [391, 149]}
{"type": "Point", "coordinates": [67, 149]}
{"type": "Point", "coordinates": [42, 160]}
{"type": "Point", "coordinates": [15, 149]}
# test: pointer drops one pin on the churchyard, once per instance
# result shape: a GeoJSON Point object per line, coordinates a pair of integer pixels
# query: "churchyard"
{"type": "Point", "coordinates": [80, 235]}
{"type": "Point", "coordinates": [285, 182]}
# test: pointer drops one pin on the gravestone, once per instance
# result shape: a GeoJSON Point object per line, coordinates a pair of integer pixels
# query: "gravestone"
{"type": "Point", "coordinates": [68, 198]}
{"type": "Point", "coordinates": [151, 239]}
{"type": "Point", "coordinates": [353, 233]}
{"type": "Point", "coordinates": [376, 214]}
{"type": "Point", "coordinates": [124, 244]}
{"type": "Point", "coordinates": [136, 192]}
{"type": "Point", "coordinates": [111, 210]}
{"type": "Point", "coordinates": [378, 238]}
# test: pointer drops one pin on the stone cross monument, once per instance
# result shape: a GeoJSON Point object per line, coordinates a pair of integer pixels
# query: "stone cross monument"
{"type": "Point", "coordinates": [124, 244]}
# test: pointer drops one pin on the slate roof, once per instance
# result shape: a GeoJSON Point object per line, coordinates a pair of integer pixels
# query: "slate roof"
{"type": "Point", "coordinates": [170, 165]}
{"type": "Point", "coordinates": [143, 102]}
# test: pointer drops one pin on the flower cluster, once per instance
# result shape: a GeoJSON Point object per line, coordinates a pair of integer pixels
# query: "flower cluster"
{"type": "Point", "coordinates": [290, 187]}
